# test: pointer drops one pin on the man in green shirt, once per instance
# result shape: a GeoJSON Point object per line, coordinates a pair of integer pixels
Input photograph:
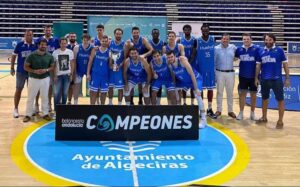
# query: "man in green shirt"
{"type": "Point", "coordinates": [38, 65]}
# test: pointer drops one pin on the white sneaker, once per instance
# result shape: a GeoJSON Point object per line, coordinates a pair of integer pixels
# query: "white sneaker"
{"type": "Point", "coordinates": [252, 116]}
{"type": "Point", "coordinates": [202, 123]}
{"type": "Point", "coordinates": [240, 116]}
{"type": "Point", "coordinates": [16, 113]}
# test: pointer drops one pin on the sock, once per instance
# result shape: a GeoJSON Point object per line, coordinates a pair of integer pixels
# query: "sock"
{"type": "Point", "coordinates": [128, 103]}
{"type": "Point", "coordinates": [209, 105]}
{"type": "Point", "coordinates": [158, 100]}
{"type": "Point", "coordinates": [120, 102]}
{"type": "Point", "coordinates": [110, 101]}
{"type": "Point", "coordinates": [75, 101]}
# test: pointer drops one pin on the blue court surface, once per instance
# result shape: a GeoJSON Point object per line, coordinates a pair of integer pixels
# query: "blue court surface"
{"type": "Point", "coordinates": [144, 163]}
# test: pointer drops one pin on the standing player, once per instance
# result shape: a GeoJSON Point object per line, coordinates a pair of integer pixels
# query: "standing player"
{"type": "Point", "coordinates": [189, 43]}
{"type": "Point", "coordinates": [144, 49]}
{"type": "Point", "coordinates": [136, 71]}
{"type": "Point", "coordinates": [248, 54]}
{"type": "Point", "coordinates": [100, 34]}
{"type": "Point", "coordinates": [206, 65]}
{"type": "Point", "coordinates": [22, 50]}
{"type": "Point", "coordinates": [117, 60]}
{"type": "Point", "coordinates": [157, 45]}
{"type": "Point", "coordinates": [178, 50]}
{"type": "Point", "coordinates": [97, 73]}
{"type": "Point", "coordinates": [187, 78]}
{"type": "Point", "coordinates": [161, 76]}
{"type": "Point", "coordinates": [81, 59]}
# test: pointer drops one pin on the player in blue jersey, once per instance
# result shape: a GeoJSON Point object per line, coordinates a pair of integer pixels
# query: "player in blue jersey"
{"type": "Point", "coordinates": [271, 59]}
{"type": "Point", "coordinates": [100, 34]}
{"type": "Point", "coordinates": [186, 78]}
{"type": "Point", "coordinates": [52, 44]}
{"type": "Point", "coordinates": [22, 50]}
{"type": "Point", "coordinates": [144, 49]}
{"type": "Point", "coordinates": [116, 80]}
{"type": "Point", "coordinates": [248, 55]}
{"type": "Point", "coordinates": [81, 59]}
{"type": "Point", "coordinates": [161, 76]}
{"type": "Point", "coordinates": [98, 70]}
{"type": "Point", "coordinates": [157, 45]}
{"type": "Point", "coordinates": [72, 37]}
{"type": "Point", "coordinates": [189, 43]}
{"type": "Point", "coordinates": [205, 64]}
{"type": "Point", "coordinates": [136, 71]}
{"type": "Point", "coordinates": [178, 50]}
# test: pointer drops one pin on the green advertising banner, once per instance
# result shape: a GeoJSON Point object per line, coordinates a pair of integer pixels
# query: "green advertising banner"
{"type": "Point", "coordinates": [61, 29]}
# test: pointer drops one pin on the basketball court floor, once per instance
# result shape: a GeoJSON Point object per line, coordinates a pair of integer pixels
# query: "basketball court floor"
{"type": "Point", "coordinates": [229, 152]}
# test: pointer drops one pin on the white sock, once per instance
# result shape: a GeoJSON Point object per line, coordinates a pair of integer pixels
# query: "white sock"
{"type": "Point", "coordinates": [128, 103]}
{"type": "Point", "coordinates": [120, 103]}
{"type": "Point", "coordinates": [209, 105]}
{"type": "Point", "coordinates": [75, 101]}
{"type": "Point", "coordinates": [110, 101]}
{"type": "Point", "coordinates": [158, 100]}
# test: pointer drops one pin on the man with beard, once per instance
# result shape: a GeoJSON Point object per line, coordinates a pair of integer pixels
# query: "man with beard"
{"type": "Point", "coordinates": [144, 49]}
{"type": "Point", "coordinates": [38, 64]}
{"type": "Point", "coordinates": [271, 59]}
{"type": "Point", "coordinates": [116, 80]}
{"type": "Point", "coordinates": [136, 71]}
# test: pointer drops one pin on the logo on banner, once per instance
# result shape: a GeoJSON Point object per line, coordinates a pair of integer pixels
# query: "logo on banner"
{"type": "Point", "coordinates": [294, 48]}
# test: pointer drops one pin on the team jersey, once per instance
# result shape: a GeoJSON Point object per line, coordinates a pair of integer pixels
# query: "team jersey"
{"type": "Point", "coordinates": [162, 70]}
{"type": "Point", "coordinates": [188, 46]}
{"type": "Point", "coordinates": [118, 50]}
{"type": "Point", "coordinates": [97, 42]}
{"type": "Point", "coordinates": [248, 58]}
{"type": "Point", "coordinates": [71, 47]}
{"type": "Point", "coordinates": [101, 63]}
{"type": "Point", "coordinates": [175, 49]}
{"type": "Point", "coordinates": [52, 43]}
{"type": "Point", "coordinates": [22, 50]}
{"type": "Point", "coordinates": [271, 62]}
{"type": "Point", "coordinates": [139, 45]}
{"type": "Point", "coordinates": [205, 55]}
{"type": "Point", "coordinates": [182, 74]}
{"type": "Point", "coordinates": [82, 59]}
{"type": "Point", "coordinates": [157, 47]}
{"type": "Point", "coordinates": [136, 72]}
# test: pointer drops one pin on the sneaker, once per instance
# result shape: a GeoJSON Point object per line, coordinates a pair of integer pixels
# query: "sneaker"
{"type": "Point", "coordinates": [253, 117]}
{"type": "Point", "coordinates": [47, 118]}
{"type": "Point", "coordinates": [279, 125]}
{"type": "Point", "coordinates": [218, 113]}
{"type": "Point", "coordinates": [240, 116]}
{"type": "Point", "coordinates": [202, 123]}
{"type": "Point", "coordinates": [16, 113]}
{"type": "Point", "coordinates": [26, 119]}
{"type": "Point", "coordinates": [210, 113]}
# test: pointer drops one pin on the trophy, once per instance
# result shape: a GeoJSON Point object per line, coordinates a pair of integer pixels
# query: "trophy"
{"type": "Point", "coordinates": [115, 57]}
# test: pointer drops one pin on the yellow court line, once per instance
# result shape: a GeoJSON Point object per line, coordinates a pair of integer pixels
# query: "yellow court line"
{"type": "Point", "coordinates": [19, 158]}
{"type": "Point", "coordinates": [239, 164]}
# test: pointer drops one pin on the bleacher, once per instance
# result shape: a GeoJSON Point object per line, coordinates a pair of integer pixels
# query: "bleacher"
{"type": "Point", "coordinates": [281, 17]}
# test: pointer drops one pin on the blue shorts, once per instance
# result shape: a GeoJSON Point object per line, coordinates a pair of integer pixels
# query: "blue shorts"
{"type": "Point", "coordinates": [275, 85]}
{"type": "Point", "coordinates": [116, 79]}
{"type": "Point", "coordinates": [99, 83]}
{"type": "Point", "coordinates": [186, 86]}
{"type": "Point", "coordinates": [209, 81]}
{"type": "Point", "coordinates": [157, 84]}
